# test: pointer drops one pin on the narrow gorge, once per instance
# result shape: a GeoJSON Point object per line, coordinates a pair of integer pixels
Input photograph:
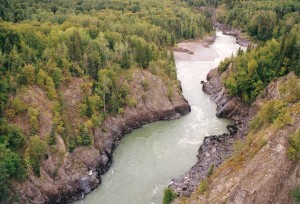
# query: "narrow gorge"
{"type": "Point", "coordinates": [138, 101]}
{"type": "Point", "coordinates": [148, 158]}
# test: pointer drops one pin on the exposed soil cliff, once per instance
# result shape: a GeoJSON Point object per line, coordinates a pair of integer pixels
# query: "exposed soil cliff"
{"type": "Point", "coordinates": [66, 176]}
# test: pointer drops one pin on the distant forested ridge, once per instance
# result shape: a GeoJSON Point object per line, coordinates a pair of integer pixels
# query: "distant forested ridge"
{"type": "Point", "coordinates": [45, 45]}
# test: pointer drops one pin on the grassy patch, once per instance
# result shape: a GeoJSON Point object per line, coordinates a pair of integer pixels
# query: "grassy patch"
{"type": "Point", "coordinates": [202, 187]}
{"type": "Point", "coordinates": [169, 196]}
{"type": "Point", "coordinates": [274, 111]}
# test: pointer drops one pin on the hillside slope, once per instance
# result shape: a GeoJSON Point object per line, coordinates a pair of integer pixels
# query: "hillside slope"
{"type": "Point", "coordinates": [259, 90]}
{"type": "Point", "coordinates": [75, 76]}
{"type": "Point", "coordinates": [259, 163]}
{"type": "Point", "coordinates": [67, 176]}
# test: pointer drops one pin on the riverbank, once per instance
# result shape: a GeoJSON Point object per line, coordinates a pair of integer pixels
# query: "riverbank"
{"type": "Point", "coordinates": [241, 38]}
{"type": "Point", "coordinates": [215, 148]}
{"type": "Point", "coordinates": [80, 171]}
{"type": "Point", "coordinates": [260, 169]}
{"type": "Point", "coordinates": [149, 157]}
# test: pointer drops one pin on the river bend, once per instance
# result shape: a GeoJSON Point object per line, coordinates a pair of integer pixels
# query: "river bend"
{"type": "Point", "coordinates": [149, 157]}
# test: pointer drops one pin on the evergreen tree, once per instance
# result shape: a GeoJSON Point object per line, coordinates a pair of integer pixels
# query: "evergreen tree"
{"type": "Point", "coordinates": [89, 111]}
{"type": "Point", "coordinates": [52, 135]}
{"type": "Point", "coordinates": [85, 137]}
{"type": "Point", "coordinates": [125, 62]}
{"type": "Point", "coordinates": [75, 47]}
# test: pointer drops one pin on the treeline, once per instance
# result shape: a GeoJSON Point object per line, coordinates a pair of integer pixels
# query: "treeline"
{"type": "Point", "coordinates": [261, 19]}
{"type": "Point", "coordinates": [47, 44]}
{"type": "Point", "coordinates": [176, 20]}
{"type": "Point", "coordinates": [256, 68]}
{"type": "Point", "coordinates": [276, 26]}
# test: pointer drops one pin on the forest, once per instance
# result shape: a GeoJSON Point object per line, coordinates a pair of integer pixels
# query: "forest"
{"type": "Point", "coordinates": [47, 44]}
{"type": "Point", "coordinates": [275, 26]}
{"type": "Point", "coordinates": [266, 77]}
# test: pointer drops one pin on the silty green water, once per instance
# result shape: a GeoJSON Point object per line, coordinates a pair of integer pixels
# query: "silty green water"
{"type": "Point", "coordinates": [148, 158]}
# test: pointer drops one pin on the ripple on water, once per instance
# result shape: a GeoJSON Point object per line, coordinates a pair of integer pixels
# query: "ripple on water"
{"type": "Point", "coordinates": [186, 141]}
{"type": "Point", "coordinates": [149, 157]}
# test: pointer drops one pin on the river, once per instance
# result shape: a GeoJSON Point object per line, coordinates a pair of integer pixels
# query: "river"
{"type": "Point", "coordinates": [148, 158]}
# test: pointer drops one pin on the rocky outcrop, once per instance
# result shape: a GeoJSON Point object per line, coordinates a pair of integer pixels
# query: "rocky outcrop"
{"type": "Point", "coordinates": [79, 172]}
{"type": "Point", "coordinates": [266, 175]}
{"type": "Point", "coordinates": [227, 106]}
{"type": "Point", "coordinates": [213, 151]}
{"type": "Point", "coordinates": [216, 148]}
{"type": "Point", "coordinates": [153, 107]}
{"type": "Point", "coordinates": [267, 178]}
{"type": "Point", "coordinates": [260, 174]}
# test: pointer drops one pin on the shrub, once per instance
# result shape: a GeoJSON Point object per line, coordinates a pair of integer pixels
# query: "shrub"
{"type": "Point", "coordinates": [294, 145]}
{"type": "Point", "coordinates": [145, 85]}
{"type": "Point", "coordinates": [71, 142]}
{"type": "Point", "coordinates": [210, 171]}
{"type": "Point", "coordinates": [13, 137]}
{"type": "Point", "coordinates": [33, 120]}
{"type": "Point", "coordinates": [120, 111]}
{"type": "Point", "coordinates": [97, 120]}
{"type": "Point", "coordinates": [263, 142]}
{"type": "Point", "coordinates": [114, 104]}
{"type": "Point", "coordinates": [52, 136]}
{"type": "Point", "coordinates": [82, 109]}
{"type": "Point", "coordinates": [123, 91]}
{"type": "Point", "coordinates": [35, 151]}
{"type": "Point", "coordinates": [238, 146]}
{"type": "Point", "coordinates": [169, 196]}
{"type": "Point", "coordinates": [11, 168]}
{"type": "Point", "coordinates": [224, 64]}
{"type": "Point", "coordinates": [231, 85]}
{"type": "Point", "coordinates": [270, 112]}
{"type": "Point", "coordinates": [131, 102]}
{"type": "Point", "coordinates": [18, 106]}
{"type": "Point", "coordinates": [85, 137]}
{"type": "Point", "coordinates": [295, 193]}
{"type": "Point", "coordinates": [290, 90]}
{"type": "Point", "coordinates": [202, 187]}
{"type": "Point", "coordinates": [27, 75]}
{"type": "Point", "coordinates": [170, 92]}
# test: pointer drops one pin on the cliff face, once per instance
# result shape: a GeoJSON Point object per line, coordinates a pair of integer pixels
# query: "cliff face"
{"type": "Point", "coordinates": [261, 171]}
{"type": "Point", "coordinates": [66, 176]}
{"type": "Point", "coordinates": [253, 164]}
{"type": "Point", "coordinates": [216, 148]}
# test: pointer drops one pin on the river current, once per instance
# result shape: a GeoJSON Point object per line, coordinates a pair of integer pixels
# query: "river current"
{"type": "Point", "coordinates": [149, 157]}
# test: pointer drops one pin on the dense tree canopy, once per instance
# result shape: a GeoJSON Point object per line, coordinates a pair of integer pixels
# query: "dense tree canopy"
{"type": "Point", "coordinates": [276, 26]}
{"type": "Point", "coordinates": [47, 44]}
